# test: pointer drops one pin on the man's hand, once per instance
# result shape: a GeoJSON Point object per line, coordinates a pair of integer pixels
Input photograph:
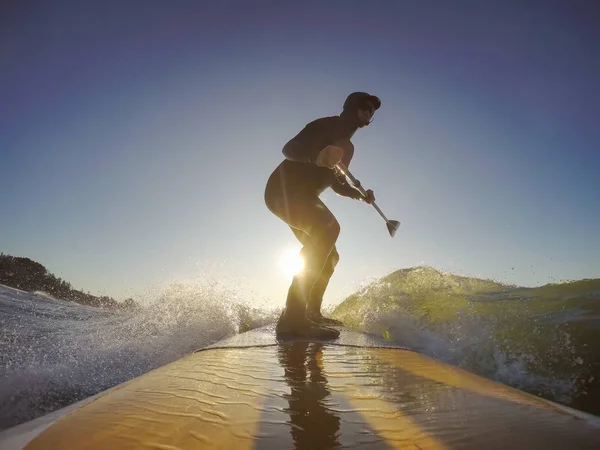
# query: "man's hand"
{"type": "Point", "coordinates": [330, 156]}
{"type": "Point", "coordinates": [370, 198]}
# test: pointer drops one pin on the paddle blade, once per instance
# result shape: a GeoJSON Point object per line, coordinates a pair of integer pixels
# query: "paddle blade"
{"type": "Point", "coordinates": [392, 226]}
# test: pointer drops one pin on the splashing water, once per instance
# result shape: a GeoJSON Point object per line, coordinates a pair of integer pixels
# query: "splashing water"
{"type": "Point", "coordinates": [540, 340]}
{"type": "Point", "coordinates": [545, 340]}
{"type": "Point", "coordinates": [54, 353]}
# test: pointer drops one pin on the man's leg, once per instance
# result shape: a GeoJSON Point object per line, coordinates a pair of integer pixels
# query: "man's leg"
{"type": "Point", "coordinates": [313, 307]}
{"type": "Point", "coordinates": [315, 296]}
{"type": "Point", "coordinates": [317, 229]}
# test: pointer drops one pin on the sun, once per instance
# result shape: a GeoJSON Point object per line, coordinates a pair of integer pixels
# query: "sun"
{"type": "Point", "coordinates": [290, 262]}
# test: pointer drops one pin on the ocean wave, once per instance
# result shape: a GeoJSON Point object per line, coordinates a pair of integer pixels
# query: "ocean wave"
{"type": "Point", "coordinates": [54, 353]}
{"type": "Point", "coordinates": [541, 340]}
{"type": "Point", "coordinates": [544, 340]}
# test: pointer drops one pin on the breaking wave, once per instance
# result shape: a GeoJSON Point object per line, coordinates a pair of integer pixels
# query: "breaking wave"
{"type": "Point", "coordinates": [545, 340]}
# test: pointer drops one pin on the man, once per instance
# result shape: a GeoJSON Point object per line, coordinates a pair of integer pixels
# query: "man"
{"type": "Point", "coordinates": [292, 194]}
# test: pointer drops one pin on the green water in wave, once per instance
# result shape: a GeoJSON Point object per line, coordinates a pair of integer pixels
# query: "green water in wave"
{"type": "Point", "coordinates": [544, 340]}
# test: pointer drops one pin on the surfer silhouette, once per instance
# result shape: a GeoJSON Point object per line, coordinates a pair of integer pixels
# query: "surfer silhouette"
{"type": "Point", "coordinates": [292, 194]}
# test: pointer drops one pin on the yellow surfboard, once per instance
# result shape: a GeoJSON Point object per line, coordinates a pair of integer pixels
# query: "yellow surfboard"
{"type": "Point", "coordinates": [359, 391]}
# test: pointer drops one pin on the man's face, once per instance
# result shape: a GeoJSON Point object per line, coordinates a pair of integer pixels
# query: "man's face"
{"type": "Point", "coordinates": [366, 113]}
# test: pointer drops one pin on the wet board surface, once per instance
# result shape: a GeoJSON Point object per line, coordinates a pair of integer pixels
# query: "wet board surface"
{"type": "Point", "coordinates": [359, 391]}
{"type": "Point", "coordinates": [266, 336]}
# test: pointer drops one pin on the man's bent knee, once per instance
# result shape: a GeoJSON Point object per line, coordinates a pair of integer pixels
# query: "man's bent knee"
{"type": "Point", "coordinates": [332, 261]}
{"type": "Point", "coordinates": [332, 231]}
{"type": "Point", "coordinates": [326, 236]}
{"type": "Point", "coordinates": [334, 258]}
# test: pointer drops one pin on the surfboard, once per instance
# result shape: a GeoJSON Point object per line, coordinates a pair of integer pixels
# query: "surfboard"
{"type": "Point", "coordinates": [359, 391]}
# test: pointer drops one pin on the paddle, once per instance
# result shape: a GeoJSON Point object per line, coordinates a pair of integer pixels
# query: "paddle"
{"type": "Point", "coordinates": [392, 225]}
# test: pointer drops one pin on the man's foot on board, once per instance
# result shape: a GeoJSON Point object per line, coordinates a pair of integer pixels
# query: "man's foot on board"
{"type": "Point", "coordinates": [303, 327]}
{"type": "Point", "coordinates": [318, 318]}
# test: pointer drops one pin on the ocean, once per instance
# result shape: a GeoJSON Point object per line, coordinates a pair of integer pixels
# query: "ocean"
{"type": "Point", "coordinates": [544, 340]}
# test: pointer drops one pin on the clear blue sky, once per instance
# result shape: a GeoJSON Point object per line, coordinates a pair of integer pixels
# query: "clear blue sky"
{"type": "Point", "coordinates": [136, 141]}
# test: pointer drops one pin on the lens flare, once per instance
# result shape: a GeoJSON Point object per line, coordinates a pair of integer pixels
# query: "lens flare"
{"type": "Point", "coordinates": [290, 262]}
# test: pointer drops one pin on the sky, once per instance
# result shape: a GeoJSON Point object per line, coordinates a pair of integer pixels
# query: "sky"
{"type": "Point", "coordinates": [136, 139]}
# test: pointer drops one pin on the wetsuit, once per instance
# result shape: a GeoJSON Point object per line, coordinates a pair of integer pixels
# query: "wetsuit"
{"type": "Point", "coordinates": [292, 194]}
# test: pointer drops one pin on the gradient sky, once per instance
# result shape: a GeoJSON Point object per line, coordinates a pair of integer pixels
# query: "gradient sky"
{"type": "Point", "coordinates": [136, 141]}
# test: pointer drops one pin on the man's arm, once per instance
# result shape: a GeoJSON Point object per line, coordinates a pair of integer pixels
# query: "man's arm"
{"type": "Point", "coordinates": [306, 145]}
{"type": "Point", "coordinates": [341, 187]}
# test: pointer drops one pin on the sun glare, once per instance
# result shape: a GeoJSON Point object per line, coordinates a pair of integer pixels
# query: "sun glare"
{"type": "Point", "coordinates": [291, 262]}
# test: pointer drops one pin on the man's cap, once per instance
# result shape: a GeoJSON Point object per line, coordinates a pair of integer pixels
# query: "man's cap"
{"type": "Point", "coordinates": [359, 99]}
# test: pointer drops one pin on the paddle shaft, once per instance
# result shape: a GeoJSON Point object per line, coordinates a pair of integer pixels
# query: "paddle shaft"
{"type": "Point", "coordinates": [342, 168]}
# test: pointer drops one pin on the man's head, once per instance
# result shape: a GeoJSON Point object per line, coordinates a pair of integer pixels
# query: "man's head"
{"type": "Point", "coordinates": [360, 107]}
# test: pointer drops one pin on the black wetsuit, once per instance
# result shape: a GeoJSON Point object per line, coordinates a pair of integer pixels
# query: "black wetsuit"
{"type": "Point", "coordinates": [292, 194]}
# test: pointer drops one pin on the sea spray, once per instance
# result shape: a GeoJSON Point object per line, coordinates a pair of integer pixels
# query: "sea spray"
{"type": "Point", "coordinates": [55, 353]}
{"type": "Point", "coordinates": [540, 340]}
